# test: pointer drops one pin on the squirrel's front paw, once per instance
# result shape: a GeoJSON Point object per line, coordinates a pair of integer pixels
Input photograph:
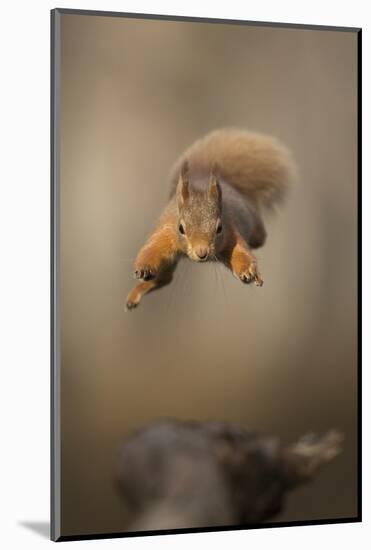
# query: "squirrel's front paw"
{"type": "Point", "coordinates": [250, 274]}
{"type": "Point", "coordinates": [146, 273]}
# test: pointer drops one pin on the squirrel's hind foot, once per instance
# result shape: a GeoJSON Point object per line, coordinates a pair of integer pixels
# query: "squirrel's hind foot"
{"type": "Point", "coordinates": [136, 294]}
{"type": "Point", "coordinates": [131, 305]}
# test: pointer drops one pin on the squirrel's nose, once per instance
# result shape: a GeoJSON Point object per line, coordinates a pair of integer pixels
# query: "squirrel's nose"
{"type": "Point", "coordinates": [202, 252]}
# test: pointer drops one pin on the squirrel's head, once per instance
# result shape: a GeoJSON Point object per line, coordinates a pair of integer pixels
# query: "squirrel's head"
{"type": "Point", "coordinates": [200, 227]}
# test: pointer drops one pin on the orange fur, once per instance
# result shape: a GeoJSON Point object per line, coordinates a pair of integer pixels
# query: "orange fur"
{"type": "Point", "coordinates": [218, 189]}
{"type": "Point", "coordinates": [238, 257]}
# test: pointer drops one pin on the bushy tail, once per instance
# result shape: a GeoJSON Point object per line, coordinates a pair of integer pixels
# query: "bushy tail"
{"type": "Point", "coordinates": [259, 166]}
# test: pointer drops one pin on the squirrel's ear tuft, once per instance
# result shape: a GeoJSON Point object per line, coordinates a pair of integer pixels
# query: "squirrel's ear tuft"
{"type": "Point", "coordinates": [183, 184]}
{"type": "Point", "coordinates": [215, 192]}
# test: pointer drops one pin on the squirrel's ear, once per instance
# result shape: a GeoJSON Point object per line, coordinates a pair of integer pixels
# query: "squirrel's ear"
{"type": "Point", "coordinates": [215, 192]}
{"type": "Point", "coordinates": [183, 184]}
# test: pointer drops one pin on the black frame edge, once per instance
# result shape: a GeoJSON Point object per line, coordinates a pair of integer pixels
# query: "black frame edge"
{"type": "Point", "coordinates": [359, 267]}
{"type": "Point", "coordinates": [129, 534]}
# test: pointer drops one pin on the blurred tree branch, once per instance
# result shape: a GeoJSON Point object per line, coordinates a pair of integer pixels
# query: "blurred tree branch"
{"type": "Point", "coordinates": [176, 474]}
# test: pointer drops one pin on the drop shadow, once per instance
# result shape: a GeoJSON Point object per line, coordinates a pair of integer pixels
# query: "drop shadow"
{"type": "Point", "coordinates": [42, 528]}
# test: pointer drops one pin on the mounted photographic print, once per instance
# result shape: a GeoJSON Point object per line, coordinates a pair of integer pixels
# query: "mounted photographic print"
{"type": "Point", "coordinates": [205, 204]}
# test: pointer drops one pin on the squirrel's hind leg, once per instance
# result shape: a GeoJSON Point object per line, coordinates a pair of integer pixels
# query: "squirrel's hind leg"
{"type": "Point", "coordinates": [137, 293]}
{"type": "Point", "coordinates": [258, 235]}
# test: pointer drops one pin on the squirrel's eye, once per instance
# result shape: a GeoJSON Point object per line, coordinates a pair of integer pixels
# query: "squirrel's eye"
{"type": "Point", "coordinates": [219, 228]}
{"type": "Point", "coordinates": [181, 229]}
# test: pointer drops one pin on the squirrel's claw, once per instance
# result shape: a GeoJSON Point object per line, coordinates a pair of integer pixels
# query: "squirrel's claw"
{"type": "Point", "coordinates": [246, 278]}
{"type": "Point", "coordinates": [251, 275]}
{"type": "Point", "coordinates": [147, 274]}
{"type": "Point", "coordinates": [258, 280]}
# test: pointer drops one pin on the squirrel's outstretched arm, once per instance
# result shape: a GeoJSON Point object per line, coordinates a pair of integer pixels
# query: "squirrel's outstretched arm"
{"type": "Point", "coordinates": [159, 252]}
{"type": "Point", "coordinates": [238, 257]}
{"type": "Point", "coordinates": [155, 262]}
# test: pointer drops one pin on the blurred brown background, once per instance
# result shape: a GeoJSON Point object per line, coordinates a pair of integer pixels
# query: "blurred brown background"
{"type": "Point", "coordinates": [281, 359]}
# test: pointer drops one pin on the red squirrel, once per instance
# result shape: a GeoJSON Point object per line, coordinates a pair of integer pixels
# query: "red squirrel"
{"type": "Point", "coordinates": [219, 188]}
